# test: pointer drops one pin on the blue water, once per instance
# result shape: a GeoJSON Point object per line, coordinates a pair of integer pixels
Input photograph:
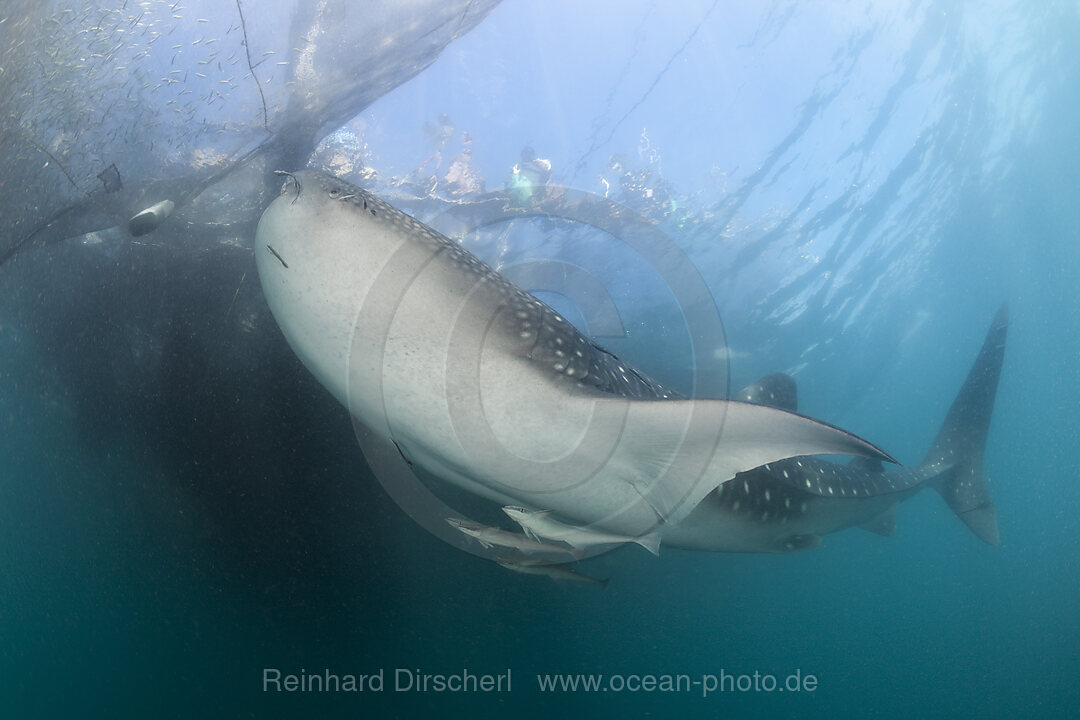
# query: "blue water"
{"type": "Point", "coordinates": [860, 185]}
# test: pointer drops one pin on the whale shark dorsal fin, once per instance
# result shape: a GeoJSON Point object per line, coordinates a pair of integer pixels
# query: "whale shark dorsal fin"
{"type": "Point", "coordinates": [777, 390]}
{"type": "Point", "coordinates": [866, 464]}
{"type": "Point", "coordinates": [650, 541]}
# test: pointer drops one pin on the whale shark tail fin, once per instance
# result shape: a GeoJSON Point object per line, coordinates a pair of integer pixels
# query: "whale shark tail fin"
{"type": "Point", "coordinates": [961, 441]}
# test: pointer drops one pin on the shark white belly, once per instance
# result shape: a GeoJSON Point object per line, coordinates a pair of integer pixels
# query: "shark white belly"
{"type": "Point", "coordinates": [484, 386]}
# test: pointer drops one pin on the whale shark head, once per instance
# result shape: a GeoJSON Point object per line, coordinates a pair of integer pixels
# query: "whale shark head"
{"type": "Point", "coordinates": [378, 232]}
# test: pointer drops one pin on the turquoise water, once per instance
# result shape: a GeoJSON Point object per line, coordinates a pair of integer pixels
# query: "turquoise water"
{"type": "Point", "coordinates": [183, 507]}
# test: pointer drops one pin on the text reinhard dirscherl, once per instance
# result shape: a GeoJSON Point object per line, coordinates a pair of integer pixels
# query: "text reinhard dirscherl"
{"type": "Point", "coordinates": [381, 680]}
{"type": "Point", "coordinates": [409, 680]}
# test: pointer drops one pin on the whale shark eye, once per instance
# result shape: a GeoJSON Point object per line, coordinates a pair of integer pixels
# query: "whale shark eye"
{"type": "Point", "coordinates": [337, 194]}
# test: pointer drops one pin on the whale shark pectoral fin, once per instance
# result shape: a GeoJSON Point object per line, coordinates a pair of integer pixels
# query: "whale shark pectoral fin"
{"type": "Point", "coordinates": [710, 441]}
{"type": "Point", "coordinates": [650, 541]}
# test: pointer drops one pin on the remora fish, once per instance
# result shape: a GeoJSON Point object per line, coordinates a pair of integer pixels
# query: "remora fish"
{"type": "Point", "coordinates": [788, 505]}
{"type": "Point", "coordinates": [483, 385]}
{"type": "Point", "coordinates": [540, 524]}
{"type": "Point", "coordinates": [557, 573]}
{"type": "Point", "coordinates": [491, 537]}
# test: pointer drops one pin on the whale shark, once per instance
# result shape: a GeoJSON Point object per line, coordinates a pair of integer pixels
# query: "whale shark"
{"type": "Point", "coordinates": [486, 387]}
{"type": "Point", "coordinates": [789, 505]}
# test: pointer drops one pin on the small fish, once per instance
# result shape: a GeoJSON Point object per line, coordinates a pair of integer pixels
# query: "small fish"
{"type": "Point", "coordinates": [558, 573]}
{"type": "Point", "coordinates": [541, 525]}
{"type": "Point", "coordinates": [492, 536]}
